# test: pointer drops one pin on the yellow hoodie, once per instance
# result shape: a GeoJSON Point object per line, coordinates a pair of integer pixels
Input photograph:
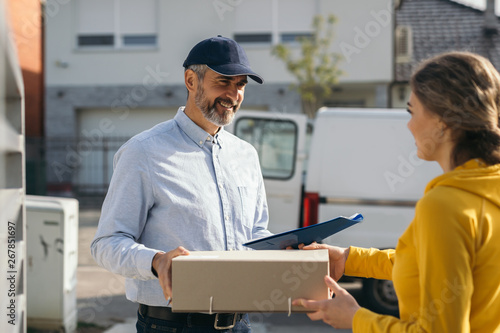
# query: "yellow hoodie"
{"type": "Point", "coordinates": [446, 266]}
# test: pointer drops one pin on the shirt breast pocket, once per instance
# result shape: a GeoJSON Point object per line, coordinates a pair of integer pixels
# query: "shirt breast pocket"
{"type": "Point", "coordinates": [249, 201]}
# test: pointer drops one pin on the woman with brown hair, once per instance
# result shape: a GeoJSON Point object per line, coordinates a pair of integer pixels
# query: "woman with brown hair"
{"type": "Point", "coordinates": [446, 265]}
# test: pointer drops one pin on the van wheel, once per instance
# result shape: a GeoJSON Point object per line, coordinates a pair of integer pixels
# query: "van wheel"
{"type": "Point", "coordinates": [381, 296]}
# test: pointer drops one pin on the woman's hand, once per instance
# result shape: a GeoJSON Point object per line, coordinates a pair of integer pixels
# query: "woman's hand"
{"type": "Point", "coordinates": [338, 257]}
{"type": "Point", "coordinates": [337, 312]}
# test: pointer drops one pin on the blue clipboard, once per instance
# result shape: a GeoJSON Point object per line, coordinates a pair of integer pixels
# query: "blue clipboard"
{"type": "Point", "coordinates": [305, 235]}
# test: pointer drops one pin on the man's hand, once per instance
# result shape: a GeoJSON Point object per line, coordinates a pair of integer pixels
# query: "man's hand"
{"type": "Point", "coordinates": [337, 312]}
{"type": "Point", "coordinates": [162, 264]}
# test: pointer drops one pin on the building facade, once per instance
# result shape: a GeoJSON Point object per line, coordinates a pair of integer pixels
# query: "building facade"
{"type": "Point", "coordinates": [114, 68]}
{"type": "Point", "coordinates": [428, 27]}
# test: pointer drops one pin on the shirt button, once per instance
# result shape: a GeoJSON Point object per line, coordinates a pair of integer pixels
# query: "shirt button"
{"type": "Point", "coordinates": [201, 142]}
{"type": "Point", "coordinates": [208, 138]}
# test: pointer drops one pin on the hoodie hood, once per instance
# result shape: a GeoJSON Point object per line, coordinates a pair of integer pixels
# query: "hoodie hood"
{"type": "Point", "coordinates": [473, 176]}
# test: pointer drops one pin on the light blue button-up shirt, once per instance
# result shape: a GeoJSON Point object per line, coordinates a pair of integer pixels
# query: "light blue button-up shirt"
{"type": "Point", "coordinates": [177, 185]}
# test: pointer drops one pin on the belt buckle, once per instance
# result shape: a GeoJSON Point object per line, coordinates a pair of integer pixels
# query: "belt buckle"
{"type": "Point", "coordinates": [216, 322]}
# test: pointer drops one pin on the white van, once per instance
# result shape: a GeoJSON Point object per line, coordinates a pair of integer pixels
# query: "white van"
{"type": "Point", "coordinates": [357, 161]}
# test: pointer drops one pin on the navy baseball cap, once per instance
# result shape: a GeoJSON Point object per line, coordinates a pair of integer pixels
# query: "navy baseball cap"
{"type": "Point", "coordinates": [222, 55]}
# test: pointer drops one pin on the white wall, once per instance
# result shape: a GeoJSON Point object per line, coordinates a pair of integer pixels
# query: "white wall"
{"type": "Point", "coordinates": [364, 38]}
{"type": "Point", "coordinates": [96, 123]}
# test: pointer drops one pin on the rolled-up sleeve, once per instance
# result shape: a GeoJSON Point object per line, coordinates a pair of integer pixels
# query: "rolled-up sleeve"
{"type": "Point", "coordinates": [124, 213]}
{"type": "Point", "coordinates": [370, 263]}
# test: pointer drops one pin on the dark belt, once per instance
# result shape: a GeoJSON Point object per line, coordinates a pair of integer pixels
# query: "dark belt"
{"type": "Point", "coordinates": [219, 321]}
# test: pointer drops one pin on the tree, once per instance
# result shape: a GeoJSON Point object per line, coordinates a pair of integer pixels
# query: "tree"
{"type": "Point", "coordinates": [317, 68]}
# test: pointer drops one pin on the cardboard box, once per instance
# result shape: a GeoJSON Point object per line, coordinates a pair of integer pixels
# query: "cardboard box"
{"type": "Point", "coordinates": [248, 281]}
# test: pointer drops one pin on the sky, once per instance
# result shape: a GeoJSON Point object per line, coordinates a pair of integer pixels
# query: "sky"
{"type": "Point", "coordinates": [480, 4]}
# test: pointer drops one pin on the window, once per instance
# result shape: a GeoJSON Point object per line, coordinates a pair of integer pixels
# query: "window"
{"type": "Point", "coordinates": [290, 37]}
{"type": "Point", "coordinates": [253, 38]}
{"type": "Point", "coordinates": [116, 23]}
{"type": "Point", "coordinates": [253, 22]}
{"type": "Point", "coordinates": [139, 40]}
{"type": "Point", "coordinates": [275, 141]}
{"type": "Point", "coordinates": [96, 40]}
{"type": "Point", "coordinates": [273, 21]}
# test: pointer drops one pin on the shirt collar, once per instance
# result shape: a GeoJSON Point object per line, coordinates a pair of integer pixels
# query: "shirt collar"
{"type": "Point", "coordinates": [195, 132]}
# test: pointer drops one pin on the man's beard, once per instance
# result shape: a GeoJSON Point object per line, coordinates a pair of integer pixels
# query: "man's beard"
{"type": "Point", "coordinates": [210, 111]}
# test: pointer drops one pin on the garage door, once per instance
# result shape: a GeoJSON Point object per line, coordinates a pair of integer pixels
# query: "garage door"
{"type": "Point", "coordinates": [100, 133]}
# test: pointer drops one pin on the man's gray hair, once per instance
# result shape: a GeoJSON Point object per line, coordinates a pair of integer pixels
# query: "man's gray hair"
{"type": "Point", "coordinates": [200, 71]}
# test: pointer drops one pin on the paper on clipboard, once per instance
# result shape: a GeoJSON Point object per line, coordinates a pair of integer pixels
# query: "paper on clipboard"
{"type": "Point", "coordinates": [305, 235]}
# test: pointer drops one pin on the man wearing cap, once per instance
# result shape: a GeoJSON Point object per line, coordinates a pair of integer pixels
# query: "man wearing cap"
{"type": "Point", "coordinates": [185, 184]}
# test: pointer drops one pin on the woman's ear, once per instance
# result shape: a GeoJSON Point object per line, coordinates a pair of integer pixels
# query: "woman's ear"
{"type": "Point", "coordinates": [444, 129]}
{"type": "Point", "coordinates": [191, 80]}
{"type": "Point", "coordinates": [444, 125]}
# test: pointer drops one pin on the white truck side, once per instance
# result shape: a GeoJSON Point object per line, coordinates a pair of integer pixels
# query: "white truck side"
{"type": "Point", "coordinates": [358, 161]}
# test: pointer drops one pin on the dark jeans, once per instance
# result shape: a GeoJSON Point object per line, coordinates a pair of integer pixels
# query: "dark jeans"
{"type": "Point", "coordinates": [153, 325]}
